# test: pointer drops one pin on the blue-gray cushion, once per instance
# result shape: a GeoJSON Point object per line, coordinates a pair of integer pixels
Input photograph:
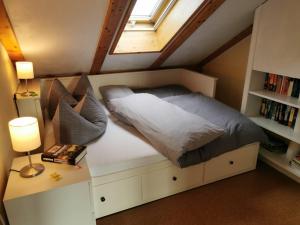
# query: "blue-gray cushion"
{"type": "Point", "coordinates": [57, 90]}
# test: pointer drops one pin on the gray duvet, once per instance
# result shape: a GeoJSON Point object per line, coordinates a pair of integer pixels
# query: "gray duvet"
{"type": "Point", "coordinates": [239, 130]}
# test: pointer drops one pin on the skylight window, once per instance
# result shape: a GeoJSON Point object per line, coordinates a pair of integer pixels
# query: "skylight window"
{"type": "Point", "coordinates": [145, 9]}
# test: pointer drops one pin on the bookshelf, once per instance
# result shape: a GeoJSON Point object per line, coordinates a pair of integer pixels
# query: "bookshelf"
{"type": "Point", "coordinates": [266, 56]}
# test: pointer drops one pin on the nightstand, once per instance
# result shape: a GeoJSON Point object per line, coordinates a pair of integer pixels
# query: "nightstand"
{"type": "Point", "coordinates": [30, 105]}
{"type": "Point", "coordinates": [44, 201]}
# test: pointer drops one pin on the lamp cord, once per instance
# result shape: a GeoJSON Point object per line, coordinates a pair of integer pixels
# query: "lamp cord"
{"type": "Point", "coordinates": [15, 170]}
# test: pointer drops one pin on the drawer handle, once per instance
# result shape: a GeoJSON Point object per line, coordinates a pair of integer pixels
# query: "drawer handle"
{"type": "Point", "coordinates": [102, 199]}
{"type": "Point", "coordinates": [231, 162]}
{"type": "Point", "coordinates": [174, 178]}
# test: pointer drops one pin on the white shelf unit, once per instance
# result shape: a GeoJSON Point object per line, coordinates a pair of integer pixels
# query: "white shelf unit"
{"type": "Point", "coordinates": [266, 56]}
{"type": "Point", "coordinates": [287, 100]}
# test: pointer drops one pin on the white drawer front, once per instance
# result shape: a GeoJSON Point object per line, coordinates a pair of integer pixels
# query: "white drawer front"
{"type": "Point", "coordinates": [229, 164]}
{"type": "Point", "coordinates": [116, 196]}
{"type": "Point", "coordinates": [170, 180]}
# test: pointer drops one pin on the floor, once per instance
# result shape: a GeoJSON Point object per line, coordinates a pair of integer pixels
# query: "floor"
{"type": "Point", "coordinates": [260, 197]}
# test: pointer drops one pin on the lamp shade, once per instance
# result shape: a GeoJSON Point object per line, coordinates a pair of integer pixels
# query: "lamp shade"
{"type": "Point", "coordinates": [24, 133]}
{"type": "Point", "coordinates": [25, 70]}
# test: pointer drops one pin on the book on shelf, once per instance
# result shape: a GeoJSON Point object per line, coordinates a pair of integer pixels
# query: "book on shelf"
{"type": "Point", "coordinates": [68, 154]}
{"type": "Point", "coordinates": [295, 162]}
{"type": "Point", "coordinates": [283, 114]}
{"type": "Point", "coordinates": [282, 85]}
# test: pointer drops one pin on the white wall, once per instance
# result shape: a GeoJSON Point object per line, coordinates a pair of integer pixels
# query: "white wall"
{"type": "Point", "coordinates": [230, 67]}
{"type": "Point", "coordinates": [8, 85]}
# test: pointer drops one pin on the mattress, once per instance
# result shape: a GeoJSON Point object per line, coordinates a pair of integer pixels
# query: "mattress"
{"type": "Point", "coordinates": [120, 148]}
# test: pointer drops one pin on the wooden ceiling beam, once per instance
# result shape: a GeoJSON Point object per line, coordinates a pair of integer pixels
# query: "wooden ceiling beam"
{"type": "Point", "coordinates": [245, 33]}
{"type": "Point", "coordinates": [113, 18]}
{"type": "Point", "coordinates": [204, 11]}
{"type": "Point", "coordinates": [8, 37]}
{"type": "Point", "coordinates": [122, 26]}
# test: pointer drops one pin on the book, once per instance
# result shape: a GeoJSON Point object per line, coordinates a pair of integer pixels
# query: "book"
{"type": "Point", "coordinates": [266, 81]}
{"type": "Point", "coordinates": [286, 115]}
{"type": "Point", "coordinates": [275, 78]}
{"type": "Point", "coordinates": [296, 159]}
{"type": "Point", "coordinates": [68, 154]}
{"type": "Point", "coordinates": [284, 86]}
{"type": "Point", "coordinates": [278, 85]}
{"type": "Point", "coordinates": [294, 118]}
{"type": "Point", "coordinates": [294, 164]}
{"type": "Point", "coordinates": [296, 88]}
{"type": "Point", "coordinates": [290, 88]}
{"type": "Point", "coordinates": [291, 117]}
{"type": "Point", "coordinates": [271, 81]}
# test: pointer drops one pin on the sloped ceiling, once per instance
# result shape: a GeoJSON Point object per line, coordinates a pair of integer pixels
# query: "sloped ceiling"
{"type": "Point", "coordinates": [58, 36]}
{"type": "Point", "coordinates": [61, 36]}
{"type": "Point", "coordinates": [229, 20]}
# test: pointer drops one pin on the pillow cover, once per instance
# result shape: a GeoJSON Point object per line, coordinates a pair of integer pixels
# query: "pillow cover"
{"type": "Point", "coordinates": [164, 91]}
{"type": "Point", "coordinates": [114, 91]}
{"type": "Point", "coordinates": [72, 128]}
{"type": "Point", "coordinates": [169, 128]}
{"type": "Point", "coordinates": [57, 91]}
{"type": "Point", "coordinates": [81, 87]}
{"type": "Point", "coordinates": [92, 110]}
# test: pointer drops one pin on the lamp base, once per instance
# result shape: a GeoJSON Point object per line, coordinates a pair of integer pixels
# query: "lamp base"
{"type": "Point", "coordinates": [32, 170]}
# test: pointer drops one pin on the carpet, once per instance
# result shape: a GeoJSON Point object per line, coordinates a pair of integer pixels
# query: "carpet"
{"type": "Point", "coordinates": [260, 197]}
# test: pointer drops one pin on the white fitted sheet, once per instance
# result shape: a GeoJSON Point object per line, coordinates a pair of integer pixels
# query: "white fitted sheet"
{"type": "Point", "coordinates": [120, 148]}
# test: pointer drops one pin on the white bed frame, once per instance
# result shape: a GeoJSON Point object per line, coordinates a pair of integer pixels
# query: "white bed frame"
{"type": "Point", "coordinates": [132, 187]}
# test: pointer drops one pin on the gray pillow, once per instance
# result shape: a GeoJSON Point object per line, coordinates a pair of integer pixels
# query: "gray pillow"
{"type": "Point", "coordinates": [92, 110]}
{"type": "Point", "coordinates": [169, 128]}
{"type": "Point", "coordinates": [165, 91]}
{"type": "Point", "coordinates": [114, 91]}
{"type": "Point", "coordinates": [57, 91]}
{"type": "Point", "coordinates": [81, 87]}
{"type": "Point", "coordinates": [72, 127]}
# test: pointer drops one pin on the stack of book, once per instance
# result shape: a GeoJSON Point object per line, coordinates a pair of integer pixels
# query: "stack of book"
{"type": "Point", "coordinates": [283, 114]}
{"type": "Point", "coordinates": [68, 154]}
{"type": "Point", "coordinates": [282, 85]}
{"type": "Point", "coordinates": [296, 161]}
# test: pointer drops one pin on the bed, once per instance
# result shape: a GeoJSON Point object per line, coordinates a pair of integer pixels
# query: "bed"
{"type": "Point", "coordinates": [127, 171]}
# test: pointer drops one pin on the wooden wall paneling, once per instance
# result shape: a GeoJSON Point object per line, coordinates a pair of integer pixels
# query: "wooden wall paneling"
{"type": "Point", "coordinates": [113, 17]}
{"type": "Point", "coordinates": [8, 37]}
{"type": "Point", "coordinates": [245, 33]}
{"type": "Point", "coordinates": [195, 21]}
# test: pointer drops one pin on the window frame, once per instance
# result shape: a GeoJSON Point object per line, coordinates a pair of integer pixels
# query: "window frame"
{"type": "Point", "coordinates": [153, 22]}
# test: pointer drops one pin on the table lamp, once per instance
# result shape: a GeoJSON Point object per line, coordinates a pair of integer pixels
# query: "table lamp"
{"type": "Point", "coordinates": [25, 71]}
{"type": "Point", "coordinates": [25, 137]}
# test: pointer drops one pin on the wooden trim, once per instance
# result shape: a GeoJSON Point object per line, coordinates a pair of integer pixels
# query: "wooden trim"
{"type": "Point", "coordinates": [122, 26]}
{"type": "Point", "coordinates": [8, 37]}
{"type": "Point", "coordinates": [245, 33]}
{"type": "Point", "coordinates": [204, 11]}
{"type": "Point", "coordinates": [113, 17]}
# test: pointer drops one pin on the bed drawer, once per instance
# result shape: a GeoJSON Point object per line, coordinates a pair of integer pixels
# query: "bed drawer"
{"type": "Point", "coordinates": [170, 180]}
{"type": "Point", "coordinates": [116, 196]}
{"type": "Point", "coordinates": [231, 163]}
